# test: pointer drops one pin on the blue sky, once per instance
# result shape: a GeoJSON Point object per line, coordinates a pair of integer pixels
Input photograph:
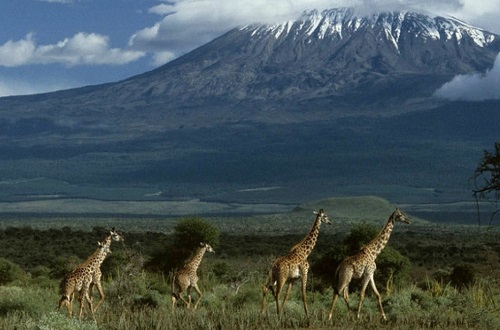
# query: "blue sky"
{"type": "Point", "coordinates": [48, 45]}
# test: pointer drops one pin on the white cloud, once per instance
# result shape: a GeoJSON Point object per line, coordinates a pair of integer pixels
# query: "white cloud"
{"type": "Point", "coordinates": [160, 58]}
{"type": "Point", "coordinates": [161, 9]}
{"type": "Point", "coordinates": [10, 86]}
{"type": "Point", "coordinates": [81, 49]}
{"type": "Point", "coordinates": [15, 53]}
{"type": "Point", "coordinates": [188, 24]}
{"type": "Point", "coordinates": [476, 87]}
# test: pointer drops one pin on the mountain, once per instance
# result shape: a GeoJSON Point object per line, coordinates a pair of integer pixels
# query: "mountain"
{"type": "Point", "coordinates": [332, 103]}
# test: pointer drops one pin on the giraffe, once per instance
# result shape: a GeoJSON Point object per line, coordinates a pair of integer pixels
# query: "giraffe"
{"type": "Point", "coordinates": [186, 277]}
{"type": "Point", "coordinates": [294, 265]}
{"type": "Point", "coordinates": [83, 277]}
{"type": "Point", "coordinates": [362, 266]}
{"type": "Point", "coordinates": [96, 278]}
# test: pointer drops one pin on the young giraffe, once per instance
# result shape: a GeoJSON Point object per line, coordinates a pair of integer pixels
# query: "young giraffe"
{"type": "Point", "coordinates": [186, 277]}
{"type": "Point", "coordinates": [83, 277]}
{"type": "Point", "coordinates": [362, 266]}
{"type": "Point", "coordinates": [294, 265]}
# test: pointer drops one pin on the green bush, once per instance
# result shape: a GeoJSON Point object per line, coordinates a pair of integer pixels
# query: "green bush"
{"type": "Point", "coordinates": [10, 272]}
{"type": "Point", "coordinates": [462, 276]}
{"type": "Point", "coordinates": [15, 299]}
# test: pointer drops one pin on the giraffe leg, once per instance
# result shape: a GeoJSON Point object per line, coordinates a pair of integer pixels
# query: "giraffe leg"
{"type": "Point", "coordinates": [101, 294]}
{"type": "Point", "coordinates": [82, 305]}
{"type": "Point", "coordinates": [189, 297]}
{"type": "Point", "coordinates": [287, 293]}
{"type": "Point", "coordinates": [174, 302]}
{"type": "Point", "coordinates": [335, 296]}
{"type": "Point", "coordinates": [199, 295]}
{"type": "Point", "coordinates": [264, 293]}
{"type": "Point", "coordinates": [279, 286]}
{"type": "Point", "coordinates": [304, 297]}
{"type": "Point", "coordinates": [345, 295]}
{"type": "Point", "coordinates": [84, 295]}
{"type": "Point", "coordinates": [364, 284]}
{"type": "Point", "coordinates": [183, 300]}
{"type": "Point", "coordinates": [379, 298]}
{"type": "Point", "coordinates": [343, 276]}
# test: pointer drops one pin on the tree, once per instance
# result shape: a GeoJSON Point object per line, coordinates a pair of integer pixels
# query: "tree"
{"type": "Point", "coordinates": [189, 232]}
{"type": "Point", "coordinates": [487, 180]}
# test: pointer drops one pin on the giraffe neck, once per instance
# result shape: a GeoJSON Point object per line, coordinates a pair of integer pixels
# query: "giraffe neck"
{"type": "Point", "coordinates": [196, 260]}
{"type": "Point", "coordinates": [378, 243]}
{"type": "Point", "coordinates": [96, 259]}
{"type": "Point", "coordinates": [305, 247]}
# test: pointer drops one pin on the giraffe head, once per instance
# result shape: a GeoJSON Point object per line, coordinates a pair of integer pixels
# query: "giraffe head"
{"type": "Point", "coordinates": [207, 247]}
{"type": "Point", "coordinates": [323, 217]}
{"type": "Point", "coordinates": [112, 236]}
{"type": "Point", "coordinates": [400, 217]}
{"type": "Point", "coordinates": [115, 236]}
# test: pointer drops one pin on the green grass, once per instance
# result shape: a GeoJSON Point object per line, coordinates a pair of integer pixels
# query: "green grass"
{"type": "Point", "coordinates": [436, 306]}
{"type": "Point", "coordinates": [139, 299]}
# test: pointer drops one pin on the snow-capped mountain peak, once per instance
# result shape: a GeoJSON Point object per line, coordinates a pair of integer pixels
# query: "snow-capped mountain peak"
{"type": "Point", "coordinates": [340, 23]}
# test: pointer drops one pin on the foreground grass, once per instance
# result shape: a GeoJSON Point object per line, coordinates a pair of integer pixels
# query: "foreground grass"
{"type": "Point", "coordinates": [428, 305]}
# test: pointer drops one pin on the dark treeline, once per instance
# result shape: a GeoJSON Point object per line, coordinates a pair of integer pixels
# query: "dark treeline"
{"type": "Point", "coordinates": [413, 254]}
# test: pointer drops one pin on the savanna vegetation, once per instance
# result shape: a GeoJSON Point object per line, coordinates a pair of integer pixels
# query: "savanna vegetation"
{"type": "Point", "coordinates": [430, 276]}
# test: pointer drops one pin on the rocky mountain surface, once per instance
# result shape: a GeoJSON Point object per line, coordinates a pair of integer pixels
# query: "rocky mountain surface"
{"type": "Point", "coordinates": [332, 97]}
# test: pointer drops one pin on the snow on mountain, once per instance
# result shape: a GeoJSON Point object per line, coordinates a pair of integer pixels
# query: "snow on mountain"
{"type": "Point", "coordinates": [341, 22]}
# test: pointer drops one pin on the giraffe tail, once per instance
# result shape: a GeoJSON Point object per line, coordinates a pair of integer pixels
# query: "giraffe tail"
{"type": "Point", "coordinates": [336, 281]}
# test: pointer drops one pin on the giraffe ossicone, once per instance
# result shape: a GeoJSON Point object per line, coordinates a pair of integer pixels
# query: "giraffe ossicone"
{"type": "Point", "coordinates": [289, 268]}
{"type": "Point", "coordinates": [362, 266]}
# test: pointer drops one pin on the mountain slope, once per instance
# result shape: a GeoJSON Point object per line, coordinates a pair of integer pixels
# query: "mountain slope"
{"type": "Point", "coordinates": [333, 103]}
{"type": "Point", "coordinates": [330, 64]}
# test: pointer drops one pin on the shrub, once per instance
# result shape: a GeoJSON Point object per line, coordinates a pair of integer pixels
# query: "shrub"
{"type": "Point", "coordinates": [462, 276]}
{"type": "Point", "coordinates": [10, 272]}
{"type": "Point", "coordinates": [15, 299]}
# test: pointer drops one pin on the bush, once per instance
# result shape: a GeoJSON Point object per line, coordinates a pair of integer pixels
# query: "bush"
{"type": "Point", "coordinates": [15, 299]}
{"type": "Point", "coordinates": [10, 272]}
{"type": "Point", "coordinates": [462, 276]}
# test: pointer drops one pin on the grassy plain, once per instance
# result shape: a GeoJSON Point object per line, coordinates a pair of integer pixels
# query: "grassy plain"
{"type": "Point", "coordinates": [138, 297]}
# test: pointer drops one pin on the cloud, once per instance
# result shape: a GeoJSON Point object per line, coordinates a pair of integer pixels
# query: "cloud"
{"type": "Point", "coordinates": [475, 87]}
{"type": "Point", "coordinates": [161, 9]}
{"type": "Point", "coordinates": [187, 24]}
{"type": "Point", "coordinates": [12, 86]}
{"type": "Point", "coordinates": [81, 49]}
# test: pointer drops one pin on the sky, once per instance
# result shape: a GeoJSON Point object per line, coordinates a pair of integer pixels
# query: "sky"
{"type": "Point", "coordinates": [48, 45]}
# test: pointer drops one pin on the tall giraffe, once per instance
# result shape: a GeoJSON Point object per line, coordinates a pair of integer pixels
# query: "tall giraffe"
{"type": "Point", "coordinates": [82, 278]}
{"type": "Point", "coordinates": [186, 277]}
{"type": "Point", "coordinates": [362, 266]}
{"type": "Point", "coordinates": [294, 265]}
